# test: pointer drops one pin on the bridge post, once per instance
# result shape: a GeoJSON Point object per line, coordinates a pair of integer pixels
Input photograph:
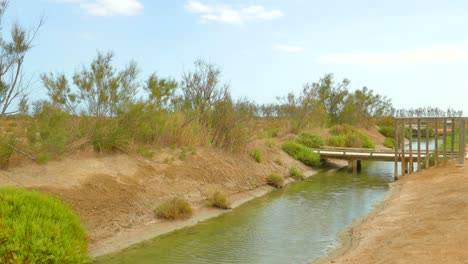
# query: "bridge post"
{"type": "Point", "coordinates": [403, 155]}
{"type": "Point", "coordinates": [410, 146]}
{"type": "Point", "coordinates": [419, 144]}
{"type": "Point", "coordinates": [436, 142]}
{"type": "Point", "coordinates": [395, 146]}
{"type": "Point", "coordinates": [452, 145]}
{"type": "Point", "coordinates": [462, 143]}
{"type": "Point", "coordinates": [444, 151]}
{"type": "Point", "coordinates": [358, 166]}
{"type": "Point", "coordinates": [427, 143]}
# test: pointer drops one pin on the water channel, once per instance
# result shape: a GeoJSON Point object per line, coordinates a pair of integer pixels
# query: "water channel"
{"type": "Point", "coordinates": [296, 224]}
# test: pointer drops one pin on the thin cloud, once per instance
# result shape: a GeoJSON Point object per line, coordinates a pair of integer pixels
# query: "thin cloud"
{"type": "Point", "coordinates": [109, 7]}
{"type": "Point", "coordinates": [288, 48]}
{"type": "Point", "coordinates": [224, 13]}
{"type": "Point", "coordinates": [447, 53]}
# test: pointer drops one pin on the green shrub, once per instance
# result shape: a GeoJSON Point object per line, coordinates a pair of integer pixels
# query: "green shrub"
{"type": "Point", "coordinates": [274, 132]}
{"type": "Point", "coordinates": [345, 136]}
{"type": "Point", "coordinates": [218, 199]}
{"type": "Point", "coordinates": [176, 208]}
{"type": "Point", "coordinates": [387, 131]}
{"type": "Point", "coordinates": [338, 130]}
{"type": "Point", "coordinates": [295, 173]}
{"type": "Point", "coordinates": [389, 142]}
{"type": "Point", "coordinates": [6, 150]}
{"type": "Point", "coordinates": [275, 180]}
{"type": "Point", "coordinates": [366, 142]}
{"type": "Point", "coordinates": [37, 228]}
{"type": "Point", "coordinates": [301, 153]}
{"type": "Point", "coordinates": [336, 141]}
{"type": "Point", "coordinates": [310, 140]}
{"type": "Point", "coordinates": [256, 154]}
{"type": "Point", "coordinates": [43, 158]}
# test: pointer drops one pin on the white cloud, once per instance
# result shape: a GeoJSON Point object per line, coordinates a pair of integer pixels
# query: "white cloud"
{"type": "Point", "coordinates": [227, 14]}
{"type": "Point", "coordinates": [446, 53]}
{"type": "Point", "coordinates": [109, 7]}
{"type": "Point", "coordinates": [288, 48]}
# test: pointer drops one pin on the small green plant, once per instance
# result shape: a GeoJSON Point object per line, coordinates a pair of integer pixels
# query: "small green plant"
{"type": "Point", "coordinates": [270, 144]}
{"type": "Point", "coordinates": [38, 228]}
{"type": "Point", "coordinates": [176, 208]}
{"type": "Point", "coordinates": [389, 142]}
{"type": "Point", "coordinates": [7, 145]}
{"type": "Point", "coordinates": [272, 132]}
{"type": "Point", "coordinates": [145, 152]}
{"type": "Point", "coordinates": [183, 154]}
{"type": "Point", "coordinates": [295, 173]}
{"type": "Point", "coordinates": [310, 140]}
{"type": "Point", "coordinates": [279, 161]}
{"type": "Point", "coordinates": [256, 154]}
{"type": "Point", "coordinates": [387, 131]}
{"type": "Point", "coordinates": [218, 199]}
{"type": "Point", "coordinates": [301, 153]}
{"type": "Point", "coordinates": [275, 180]}
{"type": "Point", "coordinates": [43, 158]}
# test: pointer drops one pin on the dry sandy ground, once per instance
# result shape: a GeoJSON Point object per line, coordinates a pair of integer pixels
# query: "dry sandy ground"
{"type": "Point", "coordinates": [424, 221]}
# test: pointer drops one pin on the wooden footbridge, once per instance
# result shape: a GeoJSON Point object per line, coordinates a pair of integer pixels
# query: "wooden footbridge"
{"type": "Point", "coordinates": [416, 149]}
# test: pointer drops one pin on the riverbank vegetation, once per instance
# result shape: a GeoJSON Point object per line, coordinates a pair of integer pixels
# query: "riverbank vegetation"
{"type": "Point", "coordinates": [37, 228]}
{"type": "Point", "coordinates": [173, 209]}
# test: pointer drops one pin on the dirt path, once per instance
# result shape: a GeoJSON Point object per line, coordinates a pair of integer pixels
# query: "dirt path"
{"type": "Point", "coordinates": [424, 221]}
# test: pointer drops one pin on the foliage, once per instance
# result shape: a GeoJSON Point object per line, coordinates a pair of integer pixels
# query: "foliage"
{"type": "Point", "coordinates": [37, 228]}
{"type": "Point", "coordinates": [256, 154]}
{"type": "Point", "coordinates": [389, 143]}
{"type": "Point", "coordinates": [295, 173]}
{"type": "Point", "coordinates": [387, 131]}
{"type": "Point", "coordinates": [218, 199]}
{"type": "Point", "coordinates": [302, 153]}
{"type": "Point", "coordinates": [13, 50]}
{"type": "Point", "coordinates": [176, 208]}
{"type": "Point", "coordinates": [276, 180]}
{"type": "Point", "coordinates": [310, 140]}
{"type": "Point", "coordinates": [346, 136]}
{"type": "Point", "coordinates": [7, 143]}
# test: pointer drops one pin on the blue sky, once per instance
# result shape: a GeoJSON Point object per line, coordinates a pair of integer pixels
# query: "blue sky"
{"type": "Point", "coordinates": [414, 52]}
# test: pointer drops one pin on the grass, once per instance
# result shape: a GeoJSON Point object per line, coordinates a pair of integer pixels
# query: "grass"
{"type": "Point", "coordinates": [310, 140]}
{"type": "Point", "coordinates": [302, 153]}
{"type": "Point", "coordinates": [389, 142]}
{"type": "Point", "coordinates": [346, 136]}
{"type": "Point", "coordinates": [38, 228]}
{"type": "Point", "coordinates": [295, 173]}
{"type": "Point", "coordinates": [6, 150]}
{"type": "Point", "coordinates": [176, 208]}
{"type": "Point", "coordinates": [256, 154]}
{"type": "Point", "coordinates": [276, 180]}
{"type": "Point", "coordinates": [218, 199]}
{"type": "Point", "coordinates": [387, 131]}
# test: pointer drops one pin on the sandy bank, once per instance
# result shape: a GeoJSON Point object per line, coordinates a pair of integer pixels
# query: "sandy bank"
{"type": "Point", "coordinates": [423, 220]}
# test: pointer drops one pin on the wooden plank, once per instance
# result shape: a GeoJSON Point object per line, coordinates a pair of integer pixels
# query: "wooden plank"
{"type": "Point", "coordinates": [395, 146]}
{"type": "Point", "coordinates": [436, 142]}
{"type": "Point", "coordinates": [452, 145]}
{"type": "Point", "coordinates": [403, 157]}
{"type": "Point", "coordinates": [444, 142]}
{"type": "Point", "coordinates": [462, 144]}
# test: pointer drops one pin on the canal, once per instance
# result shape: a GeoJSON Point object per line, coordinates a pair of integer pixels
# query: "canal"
{"type": "Point", "coordinates": [296, 224]}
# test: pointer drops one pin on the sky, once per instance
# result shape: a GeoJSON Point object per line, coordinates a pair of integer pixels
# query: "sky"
{"type": "Point", "coordinates": [413, 52]}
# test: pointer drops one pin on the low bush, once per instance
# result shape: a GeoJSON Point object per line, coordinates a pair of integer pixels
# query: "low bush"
{"type": "Point", "coordinates": [295, 173]}
{"type": "Point", "coordinates": [275, 180]}
{"type": "Point", "coordinates": [301, 153]}
{"type": "Point", "coordinates": [310, 140]}
{"type": "Point", "coordinates": [176, 208]}
{"type": "Point", "coordinates": [38, 228]}
{"type": "Point", "coordinates": [336, 141]}
{"type": "Point", "coordinates": [256, 154]}
{"type": "Point", "coordinates": [387, 131]}
{"type": "Point", "coordinates": [346, 136]}
{"type": "Point", "coordinates": [389, 142]}
{"type": "Point", "coordinates": [6, 150]}
{"type": "Point", "coordinates": [218, 199]}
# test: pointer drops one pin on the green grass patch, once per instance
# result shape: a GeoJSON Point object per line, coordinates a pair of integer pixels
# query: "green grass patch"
{"type": "Point", "coordinates": [256, 154]}
{"type": "Point", "coordinates": [38, 228]}
{"type": "Point", "coordinates": [302, 153]}
{"type": "Point", "coordinates": [310, 140]}
{"type": "Point", "coordinates": [176, 208]}
{"type": "Point", "coordinates": [295, 173]}
{"type": "Point", "coordinates": [276, 180]}
{"type": "Point", "coordinates": [346, 136]}
{"type": "Point", "coordinates": [389, 142]}
{"type": "Point", "coordinates": [219, 199]}
{"type": "Point", "coordinates": [387, 131]}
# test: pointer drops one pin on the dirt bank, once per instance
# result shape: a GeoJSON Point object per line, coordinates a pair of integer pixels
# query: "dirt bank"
{"type": "Point", "coordinates": [115, 195]}
{"type": "Point", "coordinates": [423, 221]}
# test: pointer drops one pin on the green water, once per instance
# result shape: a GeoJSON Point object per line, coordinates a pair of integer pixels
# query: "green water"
{"type": "Point", "coordinates": [296, 224]}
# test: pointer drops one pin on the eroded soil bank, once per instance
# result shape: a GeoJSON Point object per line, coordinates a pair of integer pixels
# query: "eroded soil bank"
{"type": "Point", "coordinates": [423, 221]}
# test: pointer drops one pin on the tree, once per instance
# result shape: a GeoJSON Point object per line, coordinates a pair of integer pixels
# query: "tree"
{"type": "Point", "coordinates": [331, 96]}
{"type": "Point", "coordinates": [202, 88]}
{"type": "Point", "coordinates": [161, 92]}
{"type": "Point", "coordinates": [103, 89]}
{"type": "Point", "coordinates": [12, 54]}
